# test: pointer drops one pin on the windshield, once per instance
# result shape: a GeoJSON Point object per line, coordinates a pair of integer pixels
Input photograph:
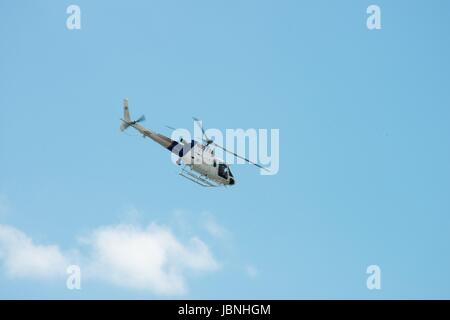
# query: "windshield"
{"type": "Point", "coordinates": [229, 172]}
{"type": "Point", "coordinates": [224, 171]}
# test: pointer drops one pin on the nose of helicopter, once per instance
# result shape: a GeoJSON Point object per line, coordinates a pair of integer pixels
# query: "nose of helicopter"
{"type": "Point", "coordinates": [232, 181]}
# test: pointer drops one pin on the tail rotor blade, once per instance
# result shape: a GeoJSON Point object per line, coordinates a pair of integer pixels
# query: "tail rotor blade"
{"type": "Point", "coordinates": [140, 119]}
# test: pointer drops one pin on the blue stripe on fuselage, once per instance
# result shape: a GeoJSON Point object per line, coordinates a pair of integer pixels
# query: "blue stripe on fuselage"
{"type": "Point", "coordinates": [181, 149]}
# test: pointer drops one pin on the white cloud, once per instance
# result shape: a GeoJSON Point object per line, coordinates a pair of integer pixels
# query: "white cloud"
{"type": "Point", "coordinates": [150, 258]}
{"type": "Point", "coordinates": [126, 255]}
{"type": "Point", "coordinates": [23, 258]}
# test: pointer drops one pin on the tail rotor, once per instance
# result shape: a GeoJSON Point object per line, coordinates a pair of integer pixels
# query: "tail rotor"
{"type": "Point", "coordinates": [126, 120]}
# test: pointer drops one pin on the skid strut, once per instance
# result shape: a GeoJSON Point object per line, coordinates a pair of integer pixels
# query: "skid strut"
{"type": "Point", "coordinates": [198, 178]}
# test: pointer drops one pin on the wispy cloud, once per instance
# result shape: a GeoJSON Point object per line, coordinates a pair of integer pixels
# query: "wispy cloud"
{"type": "Point", "coordinates": [215, 229]}
{"type": "Point", "coordinates": [251, 271]}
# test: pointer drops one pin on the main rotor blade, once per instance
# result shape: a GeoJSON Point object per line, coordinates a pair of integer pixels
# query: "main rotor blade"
{"type": "Point", "coordinates": [197, 121]}
{"type": "Point", "coordinates": [238, 156]}
{"type": "Point", "coordinates": [171, 128]}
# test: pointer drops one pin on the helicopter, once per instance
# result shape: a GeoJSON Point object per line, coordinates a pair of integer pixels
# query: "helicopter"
{"type": "Point", "coordinates": [200, 163]}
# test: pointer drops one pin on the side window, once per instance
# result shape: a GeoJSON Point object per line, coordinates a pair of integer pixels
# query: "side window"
{"type": "Point", "coordinates": [214, 164]}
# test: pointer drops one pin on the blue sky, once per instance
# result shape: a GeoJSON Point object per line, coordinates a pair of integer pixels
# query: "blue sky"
{"type": "Point", "coordinates": [364, 158]}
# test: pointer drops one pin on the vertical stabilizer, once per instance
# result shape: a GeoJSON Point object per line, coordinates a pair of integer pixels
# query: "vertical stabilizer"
{"type": "Point", "coordinates": [126, 116]}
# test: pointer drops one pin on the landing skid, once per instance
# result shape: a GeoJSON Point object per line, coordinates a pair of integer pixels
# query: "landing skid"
{"type": "Point", "coordinates": [198, 178]}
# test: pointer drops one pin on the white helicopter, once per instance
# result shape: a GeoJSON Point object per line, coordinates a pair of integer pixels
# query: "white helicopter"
{"type": "Point", "coordinates": [200, 164]}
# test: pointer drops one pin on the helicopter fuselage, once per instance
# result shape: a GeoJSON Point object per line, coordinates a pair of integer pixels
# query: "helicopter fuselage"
{"type": "Point", "coordinates": [202, 165]}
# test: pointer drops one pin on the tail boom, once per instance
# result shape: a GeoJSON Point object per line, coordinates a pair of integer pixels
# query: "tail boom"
{"type": "Point", "coordinates": [164, 141]}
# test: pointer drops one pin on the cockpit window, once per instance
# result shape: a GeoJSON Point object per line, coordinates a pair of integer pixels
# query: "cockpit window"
{"type": "Point", "coordinates": [223, 170]}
